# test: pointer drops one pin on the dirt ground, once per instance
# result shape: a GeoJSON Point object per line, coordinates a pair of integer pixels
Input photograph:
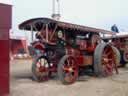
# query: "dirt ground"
{"type": "Point", "coordinates": [21, 84]}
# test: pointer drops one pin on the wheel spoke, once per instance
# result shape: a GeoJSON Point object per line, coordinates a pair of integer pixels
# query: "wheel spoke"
{"type": "Point", "coordinates": [109, 53]}
{"type": "Point", "coordinates": [38, 64]}
{"type": "Point", "coordinates": [108, 66]}
{"type": "Point", "coordinates": [68, 69]}
{"type": "Point", "coordinates": [105, 51]}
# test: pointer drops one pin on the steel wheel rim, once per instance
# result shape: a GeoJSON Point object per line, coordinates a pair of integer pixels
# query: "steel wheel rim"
{"type": "Point", "coordinates": [107, 60]}
{"type": "Point", "coordinates": [70, 70]}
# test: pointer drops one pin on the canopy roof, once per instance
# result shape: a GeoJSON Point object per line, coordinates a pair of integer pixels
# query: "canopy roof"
{"type": "Point", "coordinates": [36, 24]}
{"type": "Point", "coordinates": [116, 36]}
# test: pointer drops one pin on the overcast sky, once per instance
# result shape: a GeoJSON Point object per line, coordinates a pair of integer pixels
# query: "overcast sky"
{"type": "Point", "coordinates": [94, 13]}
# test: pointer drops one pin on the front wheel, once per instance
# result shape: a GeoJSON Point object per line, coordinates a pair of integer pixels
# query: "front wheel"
{"type": "Point", "coordinates": [40, 68]}
{"type": "Point", "coordinates": [67, 70]}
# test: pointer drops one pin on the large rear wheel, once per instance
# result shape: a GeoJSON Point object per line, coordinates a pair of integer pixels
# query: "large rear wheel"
{"type": "Point", "coordinates": [67, 70]}
{"type": "Point", "coordinates": [104, 60]}
{"type": "Point", "coordinates": [40, 68]}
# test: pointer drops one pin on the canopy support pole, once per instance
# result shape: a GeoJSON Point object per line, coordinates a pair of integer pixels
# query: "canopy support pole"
{"type": "Point", "coordinates": [31, 33]}
{"type": "Point", "coordinates": [47, 32]}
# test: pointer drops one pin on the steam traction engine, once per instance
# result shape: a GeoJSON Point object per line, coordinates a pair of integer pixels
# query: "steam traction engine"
{"type": "Point", "coordinates": [121, 44]}
{"type": "Point", "coordinates": [65, 48]}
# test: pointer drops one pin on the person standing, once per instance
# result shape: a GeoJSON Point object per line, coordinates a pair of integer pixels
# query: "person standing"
{"type": "Point", "coordinates": [114, 28]}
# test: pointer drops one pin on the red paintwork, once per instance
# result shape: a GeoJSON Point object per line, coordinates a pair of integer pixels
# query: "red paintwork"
{"type": "Point", "coordinates": [91, 49]}
{"type": "Point", "coordinates": [5, 25]}
{"type": "Point", "coordinates": [38, 45]}
{"type": "Point", "coordinates": [83, 44]}
{"type": "Point", "coordinates": [4, 66]}
{"type": "Point", "coordinates": [80, 60]}
{"type": "Point", "coordinates": [16, 45]}
{"type": "Point", "coordinates": [88, 60]}
{"type": "Point", "coordinates": [5, 16]}
{"type": "Point", "coordinates": [76, 53]}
